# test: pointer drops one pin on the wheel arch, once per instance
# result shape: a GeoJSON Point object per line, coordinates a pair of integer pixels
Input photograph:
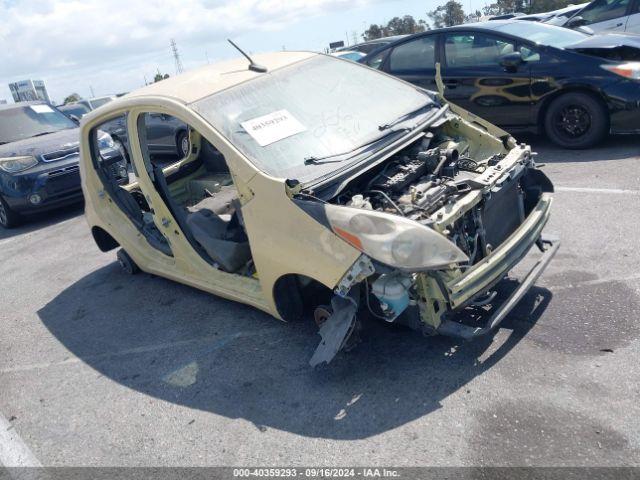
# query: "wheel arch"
{"type": "Point", "coordinates": [103, 239]}
{"type": "Point", "coordinates": [292, 292]}
{"type": "Point", "coordinates": [594, 93]}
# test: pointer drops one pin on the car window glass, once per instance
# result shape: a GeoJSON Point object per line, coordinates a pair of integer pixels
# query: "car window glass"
{"type": "Point", "coordinates": [377, 60]}
{"type": "Point", "coordinates": [603, 10]}
{"type": "Point", "coordinates": [417, 54]}
{"type": "Point", "coordinates": [636, 8]}
{"type": "Point", "coordinates": [19, 122]}
{"type": "Point", "coordinates": [475, 49]}
{"type": "Point", "coordinates": [529, 54]}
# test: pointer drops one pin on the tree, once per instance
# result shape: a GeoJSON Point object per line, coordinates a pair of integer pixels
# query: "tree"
{"type": "Point", "coordinates": [158, 76]}
{"type": "Point", "coordinates": [447, 15]}
{"type": "Point", "coordinates": [74, 97]}
{"type": "Point", "coordinates": [501, 7]}
{"type": "Point", "coordinates": [396, 26]}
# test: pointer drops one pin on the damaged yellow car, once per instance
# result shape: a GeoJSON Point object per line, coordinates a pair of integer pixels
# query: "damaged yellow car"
{"type": "Point", "coordinates": [314, 181]}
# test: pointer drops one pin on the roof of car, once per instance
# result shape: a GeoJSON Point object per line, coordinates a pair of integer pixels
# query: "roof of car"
{"type": "Point", "coordinates": [204, 81]}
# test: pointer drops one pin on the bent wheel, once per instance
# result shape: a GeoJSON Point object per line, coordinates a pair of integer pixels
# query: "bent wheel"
{"type": "Point", "coordinates": [127, 263]}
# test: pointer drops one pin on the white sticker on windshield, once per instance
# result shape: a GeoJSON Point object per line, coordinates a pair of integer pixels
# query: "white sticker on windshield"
{"type": "Point", "coordinates": [41, 108]}
{"type": "Point", "coordinates": [270, 128]}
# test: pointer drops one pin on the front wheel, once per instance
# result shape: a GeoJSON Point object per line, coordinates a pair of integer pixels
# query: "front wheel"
{"type": "Point", "coordinates": [8, 218]}
{"type": "Point", "coordinates": [576, 120]}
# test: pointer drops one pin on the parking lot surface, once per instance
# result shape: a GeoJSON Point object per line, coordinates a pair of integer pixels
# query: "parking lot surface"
{"type": "Point", "coordinates": [101, 368]}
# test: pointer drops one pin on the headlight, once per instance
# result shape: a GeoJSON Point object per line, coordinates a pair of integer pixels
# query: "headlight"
{"type": "Point", "coordinates": [105, 142]}
{"type": "Point", "coordinates": [393, 240]}
{"type": "Point", "coordinates": [628, 70]}
{"type": "Point", "coordinates": [17, 164]}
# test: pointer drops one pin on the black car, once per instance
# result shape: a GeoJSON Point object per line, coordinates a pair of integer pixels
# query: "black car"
{"type": "Point", "coordinates": [528, 76]}
{"type": "Point", "coordinates": [39, 153]}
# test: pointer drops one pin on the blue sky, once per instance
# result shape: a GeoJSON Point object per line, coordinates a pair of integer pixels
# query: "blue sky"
{"type": "Point", "coordinates": [76, 45]}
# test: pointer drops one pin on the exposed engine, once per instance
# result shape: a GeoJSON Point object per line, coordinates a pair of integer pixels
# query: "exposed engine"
{"type": "Point", "coordinates": [421, 179]}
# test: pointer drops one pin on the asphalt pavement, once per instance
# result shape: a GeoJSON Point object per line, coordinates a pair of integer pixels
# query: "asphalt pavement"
{"type": "Point", "coordinates": [99, 368]}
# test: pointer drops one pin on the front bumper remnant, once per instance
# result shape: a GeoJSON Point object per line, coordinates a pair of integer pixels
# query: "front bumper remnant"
{"type": "Point", "coordinates": [450, 328]}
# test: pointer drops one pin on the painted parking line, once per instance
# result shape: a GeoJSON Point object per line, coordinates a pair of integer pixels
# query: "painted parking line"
{"type": "Point", "coordinates": [13, 451]}
{"type": "Point", "coordinates": [610, 191]}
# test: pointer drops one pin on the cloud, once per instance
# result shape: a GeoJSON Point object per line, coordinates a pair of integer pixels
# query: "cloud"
{"type": "Point", "coordinates": [71, 41]}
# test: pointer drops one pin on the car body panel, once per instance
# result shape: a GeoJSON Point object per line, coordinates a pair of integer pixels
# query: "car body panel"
{"type": "Point", "coordinates": [187, 266]}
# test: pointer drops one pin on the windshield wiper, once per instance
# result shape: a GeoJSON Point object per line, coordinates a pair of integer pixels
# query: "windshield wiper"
{"type": "Point", "coordinates": [325, 159]}
{"type": "Point", "coordinates": [404, 116]}
{"type": "Point", "coordinates": [43, 133]}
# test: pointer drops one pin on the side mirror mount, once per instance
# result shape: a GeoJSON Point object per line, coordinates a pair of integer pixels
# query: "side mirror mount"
{"type": "Point", "coordinates": [511, 61]}
{"type": "Point", "coordinates": [575, 22]}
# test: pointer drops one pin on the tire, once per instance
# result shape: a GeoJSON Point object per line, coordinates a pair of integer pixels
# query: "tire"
{"type": "Point", "coordinates": [8, 218]}
{"type": "Point", "coordinates": [127, 263]}
{"type": "Point", "coordinates": [576, 120]}
{"type": "Point", "coordinates": [182, 144]}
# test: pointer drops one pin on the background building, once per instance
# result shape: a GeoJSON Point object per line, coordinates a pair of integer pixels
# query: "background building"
{"type": "Point", "coordinates": [27, 90]}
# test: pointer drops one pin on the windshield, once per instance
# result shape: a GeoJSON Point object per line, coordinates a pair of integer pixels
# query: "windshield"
{"type": "Point", "coordinates": [98, 102]}
{"type": "Point", "coordinates": [31, 120]}
{"type": "Point", "coordinates": [543, 34]}
{"type": "Point", "coordinates": [78, 110]}
{"type": "Point", "coordinates": [318, 107]}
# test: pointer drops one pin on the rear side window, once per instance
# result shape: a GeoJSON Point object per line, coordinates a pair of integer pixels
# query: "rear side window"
{"type": "Point", "coordinates": [475, 49]}
{"type": "Point", "coordinates": [419, 54]}
{"type": "Point", "coordinates": [603, 10]}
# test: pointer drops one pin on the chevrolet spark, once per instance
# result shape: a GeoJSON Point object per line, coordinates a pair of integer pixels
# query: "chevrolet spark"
{"type": "Point", "coordinates": [315, 181]}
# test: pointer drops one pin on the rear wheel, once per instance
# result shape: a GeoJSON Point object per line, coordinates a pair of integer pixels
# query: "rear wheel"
{"type": "Point", "coordinates": [127, 263]}
{"type": "Point", "coordinates": [576, 120]}
{"type": "Point", "coordinates": [8, 218]}
{"type": "Point", "coordinates": [183, 144]}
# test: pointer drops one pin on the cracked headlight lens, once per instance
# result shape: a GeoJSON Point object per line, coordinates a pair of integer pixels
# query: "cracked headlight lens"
{"type": "Point", "coordinates": [393, 240]}
{"type": "Point", "coordinates": [17, 164]}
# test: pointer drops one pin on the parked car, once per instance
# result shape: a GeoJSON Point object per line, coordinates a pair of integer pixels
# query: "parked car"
{"type": "Point", "coordinates": [38, 160]}
{"type": "Point", "coordinates": [75, 111]}
{"type": "Point", "coordinates": [607, 16]}
{"type": "Point", "coordinates": [349, 55]}
{"type": "Point", "coordinates": [371, 45]}
{"type": "Point", "coordinates": [322, 181]}
{"type": "Point", "coordinates": [528, 76]}
{"type": "Point", "coordinates": [561, 16]}
{"type": "Point", "coordinates": [553, 17]}
{"type": "Point", "coordinates": [167, 136]}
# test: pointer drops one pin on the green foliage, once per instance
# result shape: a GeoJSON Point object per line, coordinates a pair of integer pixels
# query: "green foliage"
{"type": "Point", "coordinates": [396, 26]}
{"type": "Point", "coordinates": [158, 76]}
{"type": "Point", "coordinates": [447, 15]}
{"type": "Point", "coordinates": [500, 7]}
{"type": "Point", "coordinates": [74, 97]}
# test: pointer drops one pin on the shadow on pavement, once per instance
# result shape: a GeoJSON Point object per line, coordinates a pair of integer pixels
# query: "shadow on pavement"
{"type": "Point", "coordinates": [40, 220]}
{"type": "Point", "coordinates": [614, 147]}
{"type": "Point", "coordinates": [194, 349]}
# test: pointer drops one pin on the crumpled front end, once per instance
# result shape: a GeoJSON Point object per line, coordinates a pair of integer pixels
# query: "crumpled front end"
{"type": "Point", "coordinates": [478, 204]}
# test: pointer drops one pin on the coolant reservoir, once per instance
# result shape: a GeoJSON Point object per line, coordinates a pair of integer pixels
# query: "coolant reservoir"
{"type": "Point", "coordinates": [393, 292]}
